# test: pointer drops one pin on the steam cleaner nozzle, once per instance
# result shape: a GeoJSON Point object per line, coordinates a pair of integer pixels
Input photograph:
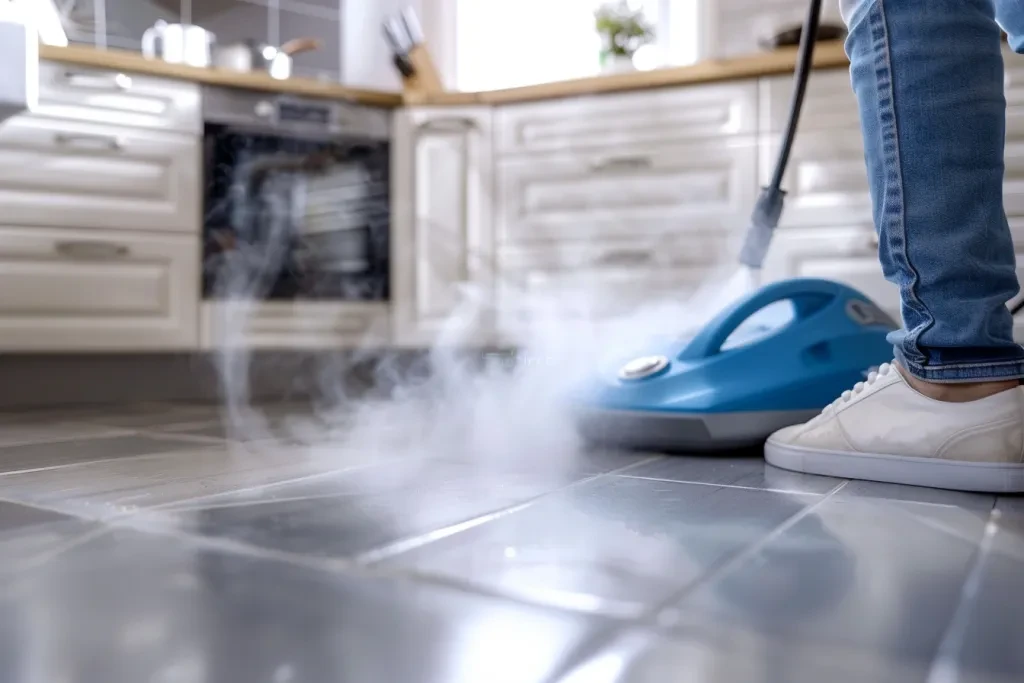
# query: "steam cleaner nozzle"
{"type": "Point", "coordinates": [763, 220]}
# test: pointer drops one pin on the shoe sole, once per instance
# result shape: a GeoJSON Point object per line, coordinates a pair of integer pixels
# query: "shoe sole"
{"type": "Point", "coordinates": [956, 475]}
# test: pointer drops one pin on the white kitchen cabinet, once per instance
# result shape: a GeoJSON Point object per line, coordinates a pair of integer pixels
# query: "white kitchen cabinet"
{"type": "Point", "coordinates": [97, 290]}
{"type": "Point", "coordinates": [601, 279]}
{"type": "Point", "coordinates": [658, 116]}
{"type": "Point", "coordinates": [845, 253]}
{"type": "Point", "coordinates": [69, 174]}
{"type": "Point", "coordinates": [294, 325]}
{"type": "Point", "coordinates": [621, 193]}
{"type": "Point", "coordinates": [92, 95]}
{"type": "Point", "coordinates": [442, 244]}
{"type": "Point", "coordinates": [829, 103]}
{"type": "Point", "coordinates": [826, 180]}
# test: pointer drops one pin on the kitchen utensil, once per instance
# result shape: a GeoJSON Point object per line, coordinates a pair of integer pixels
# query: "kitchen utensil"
{"type": "Point", "coordinates": [399, 43]}
{"type": "Point", "coordinates": [178, 43]}
{"type": "Point", "coordinates": [411, 24]}
{"type": "Point", "coordinates": [253, 55]}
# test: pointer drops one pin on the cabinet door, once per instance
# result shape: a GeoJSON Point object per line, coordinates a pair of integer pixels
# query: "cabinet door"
{"type": "Point", "coordinates": [97, 290]}
{"type": "Point", "coordinates": [625, 192]}
{"type": "Point", "coordinates": [598, 280]}
{"type": "Point", "coordinates": [442, 257]}
{"type": "Point", "coordinates": [77, 175]}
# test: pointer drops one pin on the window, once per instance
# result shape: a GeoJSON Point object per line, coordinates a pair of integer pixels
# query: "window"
{"type": "Point", "coordinates": [510, 43]}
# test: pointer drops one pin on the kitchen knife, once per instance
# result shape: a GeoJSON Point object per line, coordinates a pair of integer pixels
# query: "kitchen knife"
{"type": "Point", "coordinates": [396, 30]}
{"type": "Point", "coordinates": [412, 26]}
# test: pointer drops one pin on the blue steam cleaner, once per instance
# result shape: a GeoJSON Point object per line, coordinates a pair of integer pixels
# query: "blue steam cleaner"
{"type": "Point", "coordinates": [721, 390]}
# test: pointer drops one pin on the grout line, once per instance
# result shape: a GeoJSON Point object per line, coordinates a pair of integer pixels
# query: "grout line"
{"type": "Point", "coordinates": [405, 545]}
{"type": "Point", "coordinates": [722, 486]}
{"type": "Point", "coordinates": [349, 567]}
{"type": "Point", "coordinates": [190, 504]}
{"type": "Point", "coordinates": [661, 612]}
{"type": "Point", "coordinates": [944, 668]}
{"type": "Point", "coordinates": [112, 432]}
{"type": "Point", "coordinates": [125, 458]}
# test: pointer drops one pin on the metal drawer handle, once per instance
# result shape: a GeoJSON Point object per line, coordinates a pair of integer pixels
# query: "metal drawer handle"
{"type": "Point", "coordinates": [625, 257]}
{"type": "Point", "coordinates": [82, 139]}
{"type": "Point", "coordinates": [120, 82]}
{"type": "Point", "coordinates": [622, 163]}
{"type": "Point", "coordinates": [93, 249]}
{"type": "Point", "coordinates": [451, 125]}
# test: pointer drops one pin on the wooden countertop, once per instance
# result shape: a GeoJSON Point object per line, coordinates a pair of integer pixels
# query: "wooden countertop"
{"type": "Point", "coordinates": [826, 55]}
{"type": "Point", "coordinates": [131, 62]}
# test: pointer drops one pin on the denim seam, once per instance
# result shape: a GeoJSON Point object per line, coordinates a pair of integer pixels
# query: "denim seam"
{"type": "Point", "coordinates": [963, 372]}
{"type": "Point", "coordinates": [966, 366]}
{"type": "Point", "coordinates": [894, 214]}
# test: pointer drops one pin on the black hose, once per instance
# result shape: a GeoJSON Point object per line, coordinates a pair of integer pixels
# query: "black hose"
{"type": "Point", "coordinates": [804, 62]}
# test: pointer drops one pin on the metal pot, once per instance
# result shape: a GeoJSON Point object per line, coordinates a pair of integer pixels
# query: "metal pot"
{"type": "Point", "coordinates": [253, 55]}
{"type": "Point", "coordinates": [178, 43]}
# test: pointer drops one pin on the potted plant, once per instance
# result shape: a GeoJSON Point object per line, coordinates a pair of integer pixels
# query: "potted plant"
{"type": "Point", "coordinates": [623, 31]}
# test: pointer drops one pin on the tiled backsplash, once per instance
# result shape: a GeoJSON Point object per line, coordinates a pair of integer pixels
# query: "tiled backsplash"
{"type": "Point", "coordinates": [272, 21]}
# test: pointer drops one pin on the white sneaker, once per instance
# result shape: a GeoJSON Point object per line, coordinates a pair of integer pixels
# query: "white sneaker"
{"type": "Point", "coordinates": [884, 430]}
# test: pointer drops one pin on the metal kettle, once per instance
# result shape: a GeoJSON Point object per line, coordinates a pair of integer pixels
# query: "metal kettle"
{"type": "Point", "coordinates": [178, 43]}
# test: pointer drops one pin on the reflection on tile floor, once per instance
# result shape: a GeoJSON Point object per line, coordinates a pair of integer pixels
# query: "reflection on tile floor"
{"type": "Point", "coordinates": [145, 543]}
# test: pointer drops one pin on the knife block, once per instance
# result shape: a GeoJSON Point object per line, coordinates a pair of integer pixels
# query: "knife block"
{"type": "Point", "coordinates": [425, 79]}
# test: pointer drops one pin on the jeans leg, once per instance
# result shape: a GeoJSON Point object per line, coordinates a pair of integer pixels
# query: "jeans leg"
{"type": "Point", "coordinates": [928, 75]}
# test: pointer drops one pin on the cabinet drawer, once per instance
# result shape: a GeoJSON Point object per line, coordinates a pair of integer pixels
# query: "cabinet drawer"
{"type": "Point", "coordinates": [105, 96]}
{"type": "Point", "coordinates": [826, 181]}
{"type": "Point", "coordinates": [93, 290]}
{"type": "Point", "coordinates": [653, 116]}
{"type": "Point", "coordinates": [294, 325]}
{"type": "Point", "coordinates": [626, 192]}
{"type": "Point", "coordinates": [829, 102]}
{"type": "Point", "coordinates": [600, 280]}
{"type": "Point", "coordinates": [67, 174]}
{"type": "Point", "coordinates": [847, 254]}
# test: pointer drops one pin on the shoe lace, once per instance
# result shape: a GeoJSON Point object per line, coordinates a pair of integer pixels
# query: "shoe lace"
{"type": "Point", "coordinates": [858, 388]}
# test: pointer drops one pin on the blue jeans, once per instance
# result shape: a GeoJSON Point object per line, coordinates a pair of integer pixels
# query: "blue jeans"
{"type": "Point", "coordinates": [928, 75]}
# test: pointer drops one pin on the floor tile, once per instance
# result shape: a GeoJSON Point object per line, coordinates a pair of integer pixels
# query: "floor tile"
{"type": "Point", "coordinates": [707, 654]}
{"type": "Point", "coordinates": [18, 433]}
{"type": "Point", "coordinates": [127, 607]}
{"type": "Point", "coordinates": [750, 472]}
{"type": "Point", "coordinates": [102, 489]}
{"type": "Point", "coordinates": [613, 544]}
{"type": "Point", "coordinates": [28, 533]}
{"type": "Point", "coordinates": [852, 573]}
{"type": "Point", "coordinates": [15, 517]}
{"type": "Point", "coordinates": [41, 455]}
{"type": "Point", "coordinates": [898, 493]}
{"type": "Point", "coordinates": [361, 511]}
{"type": "Point", "coordinates": [986, 636]}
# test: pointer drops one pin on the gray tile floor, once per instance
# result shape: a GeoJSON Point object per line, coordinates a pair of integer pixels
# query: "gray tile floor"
{"type": "Point", "coordinates": [144, 544]}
